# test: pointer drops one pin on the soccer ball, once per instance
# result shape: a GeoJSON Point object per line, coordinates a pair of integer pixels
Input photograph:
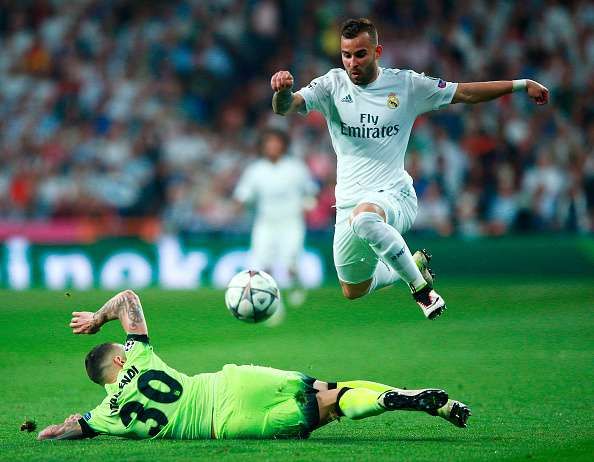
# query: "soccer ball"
{"type": "Point", "coordinates": [252, 296]}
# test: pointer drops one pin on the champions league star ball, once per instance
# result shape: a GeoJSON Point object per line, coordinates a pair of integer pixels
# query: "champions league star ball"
{"type": "Point", "coordinates": [252, 296]}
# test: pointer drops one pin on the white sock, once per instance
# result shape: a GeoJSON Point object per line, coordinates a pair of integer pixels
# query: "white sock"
{"type": "Point", "coordinates": [384, 276]}
{"type": "Point", "coordinates": [389, 245]}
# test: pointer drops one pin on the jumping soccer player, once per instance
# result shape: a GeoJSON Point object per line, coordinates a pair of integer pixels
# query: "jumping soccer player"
{"type": "Point", "coordinates": [370, 112]}
{"type": "Point", "coordinates": [148, 399]}
{"type": "Point", "coordinates": [280, 188]}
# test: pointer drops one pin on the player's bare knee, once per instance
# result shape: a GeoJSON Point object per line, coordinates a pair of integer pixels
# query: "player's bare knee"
{"type": "Point", "coordinates": [320, 385]}
{"type": "Point", "coordinates": [327, 405]}
{"type": "Point", "coordinates": [351, 292]}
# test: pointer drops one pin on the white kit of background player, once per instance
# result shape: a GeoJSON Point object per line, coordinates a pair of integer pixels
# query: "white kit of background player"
{"type": "Point", "coordinates": [280, 188]}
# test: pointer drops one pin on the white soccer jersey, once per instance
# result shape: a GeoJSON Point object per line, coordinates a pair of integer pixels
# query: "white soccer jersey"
{"type": "Point", "coordinates": [278, 190]}
{"type": "Point", "coordinates": [370, 125]}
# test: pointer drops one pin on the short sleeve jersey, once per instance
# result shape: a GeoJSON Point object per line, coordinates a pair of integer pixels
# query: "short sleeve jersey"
{"type": "Point", "coordinates": [152, 400]}
{"type": "Point", "coordinates": [277, 190]}
{"type": "Point", "coordinates": [370, 125]}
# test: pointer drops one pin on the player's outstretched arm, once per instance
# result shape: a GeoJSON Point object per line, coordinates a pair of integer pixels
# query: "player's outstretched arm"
{"type": "Point", "coordinates": [478, 92]}
{"type": "Point", "coordinates": [284, 101]}
{"type": "Point", "coordinates": [125, 306]}
{"type": "Point", "coordinates": [69, 430]}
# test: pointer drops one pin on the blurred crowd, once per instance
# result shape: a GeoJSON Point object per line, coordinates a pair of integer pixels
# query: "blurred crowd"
{"type": "Point", "coordinates": [152, 109]}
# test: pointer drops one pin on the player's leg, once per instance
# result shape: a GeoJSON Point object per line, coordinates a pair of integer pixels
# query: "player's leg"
{"type": "Point", "coordinates": [359, 269]}
{"type": "Point", "coordinates": [366, 401]}
{"type": "Point", "coordinates": [361, 403]}
{"type": "Point", "coordinates": [290, 253]}
{"type": "Point", "coordinates": [370, 223]}
{"type": "Point", "coordinates": [264, 247]}
{"type": "Point", "coordinates": [375, 386]}
{"type": "Point", "coordinates": [422, 259]}
{"type": "Point", "coordinates": [454, 412]}
{"type": "Point", "coordinates": [383, 276]}
{"type": "Point", "coordinates": [263, 402]}
{"type": "Point", "coordinates": [261, 255]}
{"type": "Point", "coordinates": [373, 398]}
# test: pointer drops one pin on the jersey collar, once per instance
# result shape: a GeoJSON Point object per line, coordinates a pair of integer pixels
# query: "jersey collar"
{"type": "Point", "coordinates": [376, 81]}
{"type": "Point", "coordinates": [111, 388]}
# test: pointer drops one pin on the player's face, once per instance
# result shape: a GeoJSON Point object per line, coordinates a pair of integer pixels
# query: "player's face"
{"type": "Point", "coordinates": [273, 147]}
{"type": "Point", "coordinates": [359, 58]}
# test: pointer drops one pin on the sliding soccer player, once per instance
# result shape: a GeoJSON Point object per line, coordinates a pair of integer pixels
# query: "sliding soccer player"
{"type": "Point", "coordinates": [148, 399]}
{"type": "Point", "coordinates": [370, 113]}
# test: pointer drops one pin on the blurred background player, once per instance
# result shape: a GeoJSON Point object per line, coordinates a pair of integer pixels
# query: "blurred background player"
{"type": "Point", "coordinates": [280, 188]}
{"type": "Point", "coordinates": [148, 399]}
{"type": "Point", "coordinates": [370, 112]}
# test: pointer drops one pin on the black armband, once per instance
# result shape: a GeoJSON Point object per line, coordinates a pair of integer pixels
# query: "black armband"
{"type": "Point", "coordinates": [87, 431]}
{"type": "Point", "coordinates": [138, 338]}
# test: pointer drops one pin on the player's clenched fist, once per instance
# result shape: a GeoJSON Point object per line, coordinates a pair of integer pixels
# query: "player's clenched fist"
{"type": "Point", "coordinates": [539, 93]}
{"type": "Point", "coordinates": [83, 323]}
{"type": "Point", "coordinates": [282, 80]}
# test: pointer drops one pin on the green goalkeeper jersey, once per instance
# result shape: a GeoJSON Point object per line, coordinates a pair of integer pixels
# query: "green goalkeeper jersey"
{"type": "Point", "coordinates": [152, 400]}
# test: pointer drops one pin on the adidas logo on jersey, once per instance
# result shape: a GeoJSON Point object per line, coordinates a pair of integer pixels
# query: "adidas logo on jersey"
{"type": "Point", "coordinates": [347, 99]}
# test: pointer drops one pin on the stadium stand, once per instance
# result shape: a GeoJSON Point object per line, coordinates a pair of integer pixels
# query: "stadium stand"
{"type": "Point", "coordinates": [112, 110]}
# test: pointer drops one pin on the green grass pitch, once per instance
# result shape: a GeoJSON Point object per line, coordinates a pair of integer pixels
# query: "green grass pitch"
{"type": "Point", "coordinates": [520, 354]}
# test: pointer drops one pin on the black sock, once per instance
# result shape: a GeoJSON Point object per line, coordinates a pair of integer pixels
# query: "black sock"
{"type": "Point", "coordinates": [340, 393]}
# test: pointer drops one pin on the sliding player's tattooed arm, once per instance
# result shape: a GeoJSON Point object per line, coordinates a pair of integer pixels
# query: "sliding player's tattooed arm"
{"type": "Point", "coordinates": [125, 306]}
{"type": "Point", "coordinates": [69, 430]}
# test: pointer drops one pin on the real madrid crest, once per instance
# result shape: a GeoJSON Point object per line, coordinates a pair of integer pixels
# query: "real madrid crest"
{"type": "Point", "coordinates": [393, 101]}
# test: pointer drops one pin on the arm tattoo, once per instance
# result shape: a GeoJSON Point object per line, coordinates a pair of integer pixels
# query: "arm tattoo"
{"type": "Point", "coordinates": [109, 311]}
{"type": "Point", "coordinates": [125, 303]}
{"type": "Point", "coordinates": [281, 101]}
{"type": "Point", "coordinates": [133, 309]}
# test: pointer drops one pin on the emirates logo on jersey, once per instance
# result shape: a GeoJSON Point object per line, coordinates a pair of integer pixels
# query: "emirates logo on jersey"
{"type": "Point", "coordinates": [393, 101]}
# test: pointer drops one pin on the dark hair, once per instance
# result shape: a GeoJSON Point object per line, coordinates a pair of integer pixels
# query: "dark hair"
{"type": "Point", "coordinates": [351, 28]}
{"type": "Point", "coordinates": [271, 131]}
{"type": "Point", "coordinates": [95, 360]}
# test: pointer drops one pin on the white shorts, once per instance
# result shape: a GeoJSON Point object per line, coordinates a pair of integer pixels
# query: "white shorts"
{"type": "Point", "coordinates": [354, 259]}
{"type": "Point", "coordinates": [276, 244]}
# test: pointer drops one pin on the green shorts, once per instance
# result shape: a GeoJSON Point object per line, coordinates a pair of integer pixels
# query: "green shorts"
{"type": "Point", "coordinates": [262, 402]}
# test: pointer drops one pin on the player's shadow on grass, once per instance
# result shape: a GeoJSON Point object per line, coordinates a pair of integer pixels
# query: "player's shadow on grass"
{"type": "Point", "coordinates": [394, 439]}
